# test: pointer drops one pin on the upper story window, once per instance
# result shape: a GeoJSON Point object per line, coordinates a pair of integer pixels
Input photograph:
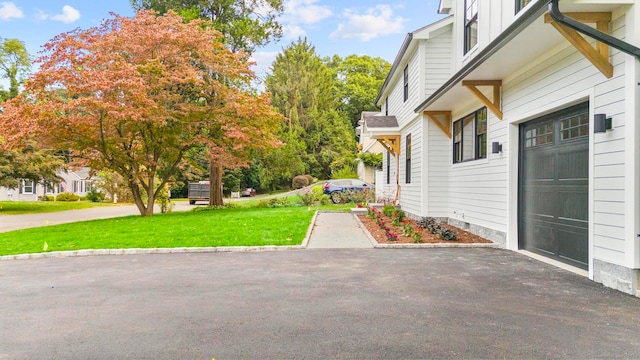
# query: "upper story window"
{"type": "Point", "coordinates": [471, 24]}
{"type": "Point", "coordinates": [520, 4]}
{"type": "Point", "coordinates": [406, 83]}
{"type": "Point", "coordinates": [470, 137]}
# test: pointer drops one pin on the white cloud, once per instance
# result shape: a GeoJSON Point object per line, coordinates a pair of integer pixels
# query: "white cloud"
{"type": "Point", "coordinates": [263, 60]}
{"type": "Point", "coordinates": [304, 12]}
{"type": "Point", "coordinates": [68, 15]}
{"type": "Point", "coordinates": [9, 10]}
{"type": "Point", "coordinates": [41, 15]}
{"type": "Point", "coordinates": [293, 32]}
{"type": "Point", "coordinates": [373, 23]}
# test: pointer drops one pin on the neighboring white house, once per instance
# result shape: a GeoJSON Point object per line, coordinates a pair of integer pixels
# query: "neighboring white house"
{"type": "Point", "coordinates": [76, 181]}
{"type": "Point", "coordinates": [501, 114]}
{"type": "Point", "coordinates": [368, 145]}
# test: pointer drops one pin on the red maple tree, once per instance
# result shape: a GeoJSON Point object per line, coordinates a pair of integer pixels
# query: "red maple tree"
{"type": "Point", "coordinates": [134, 95]}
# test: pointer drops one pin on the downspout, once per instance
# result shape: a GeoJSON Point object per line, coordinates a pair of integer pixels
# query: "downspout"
{"type": "Point", "coordinates": [560, 18]}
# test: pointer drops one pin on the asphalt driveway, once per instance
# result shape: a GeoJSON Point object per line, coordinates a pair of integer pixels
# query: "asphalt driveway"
{"type": "Point", "coordinates": [313, 303]}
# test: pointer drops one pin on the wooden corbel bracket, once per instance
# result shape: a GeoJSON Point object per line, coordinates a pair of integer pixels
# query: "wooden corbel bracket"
{"type": "Point", "coordinates": [494, 106]}
{"type": "Point", "coordinates": [598, 56]}
{"type": "Point", "coordinates": [444, 124]}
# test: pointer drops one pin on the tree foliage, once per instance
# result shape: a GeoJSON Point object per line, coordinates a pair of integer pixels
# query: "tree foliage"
{"type": "Point", "coordinates": [315, 133]}
{"type": "Point", "coordinates": [357, 82]}
{"type": "Point", "coordinates": [244, 23]}
{"type": "Point", "coordinates": [134, 95]}
{"type": "Point", "coordinates": [14, 64]}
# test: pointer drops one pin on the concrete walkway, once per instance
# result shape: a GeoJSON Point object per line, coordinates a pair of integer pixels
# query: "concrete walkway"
{"type": "Point", "coordinates": [337, 231]}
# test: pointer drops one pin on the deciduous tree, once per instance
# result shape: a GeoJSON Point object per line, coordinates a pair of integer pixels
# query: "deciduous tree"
{"type": "Point", "coordinates": [138, 94]}
{"type": "Point", "coordinates": [14, 64]}
{"type": "Point", "coordinates": [358, 79]}
{"type": "Point", "coordinates": [244, 23]}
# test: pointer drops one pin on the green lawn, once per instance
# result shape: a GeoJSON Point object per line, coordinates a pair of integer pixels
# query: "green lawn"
{"type": "Point", "coordinates": [34, 207]}
{"type": "Point", "coordinates": [224, 227]}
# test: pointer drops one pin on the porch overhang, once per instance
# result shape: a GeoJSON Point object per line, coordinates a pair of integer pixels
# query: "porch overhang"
{"type": "Point", "coordinates": [512, 52]}
{"type": "Point", "coordinates": [385, 130]}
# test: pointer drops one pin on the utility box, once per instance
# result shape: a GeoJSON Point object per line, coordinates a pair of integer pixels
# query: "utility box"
{"type": "Point", "coordinates": [198, 192]}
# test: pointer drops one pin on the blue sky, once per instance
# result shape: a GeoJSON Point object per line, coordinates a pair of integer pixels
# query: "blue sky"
{"type": "Point", "coordinates": [363, 27]}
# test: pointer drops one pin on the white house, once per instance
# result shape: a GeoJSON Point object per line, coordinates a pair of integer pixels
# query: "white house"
{"type": "Point", "coordinates": [76, 181]}
{"type": "Point", "coordinates": [515, 123]}
{"type": "Point", "coordinates": [372, 146]}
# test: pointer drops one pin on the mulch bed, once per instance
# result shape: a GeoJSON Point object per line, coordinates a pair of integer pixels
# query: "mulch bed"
{"type": "Point", "coordinates": [464, 237]}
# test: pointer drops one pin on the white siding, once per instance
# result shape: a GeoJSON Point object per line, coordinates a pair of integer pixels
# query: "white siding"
{"type": "Point", "coordinates": [411, 194]}
{"type": "Point", "coordinates": [438, 153]}
{"type": "Point", "coordinates": [438, 64]}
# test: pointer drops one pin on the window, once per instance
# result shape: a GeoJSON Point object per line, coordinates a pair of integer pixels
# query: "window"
{"type": "Point", "coordinates": [388, 168]}
{"type": "Point", "coordinates": [408, 160]}
{"type": "Point", "coordinates": [406, 83]}
{"type": "Point", "coordinates": [28, 187]}
{"type": "Point", "coordinates": [520, 4]}
{"type": "Point", "coordinates": [470, 24]}
{"type": "Point", "coordinates": [386, 107]}
{"type": "Point", "coordinates": [574, 127]}
{"type": "Point", "coordinates": [470, 137]}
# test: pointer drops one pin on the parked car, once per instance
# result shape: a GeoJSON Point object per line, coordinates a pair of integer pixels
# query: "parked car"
{"type": "Point", "coordinates": [248, 192]}
{"type": "Point", "coordinates": [334, 188]}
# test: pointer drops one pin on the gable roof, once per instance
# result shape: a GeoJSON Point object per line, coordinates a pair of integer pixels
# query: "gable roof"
{"type": "Point", "coordinates": [410, 41]}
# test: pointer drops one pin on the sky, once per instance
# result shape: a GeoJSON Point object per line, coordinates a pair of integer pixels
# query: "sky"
{"type": "Point", "coordinates": [363, 27]}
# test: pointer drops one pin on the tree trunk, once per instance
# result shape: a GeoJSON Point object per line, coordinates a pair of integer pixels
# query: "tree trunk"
{"type": "Point", "coordinates": [215, 184]}
{"type": "Point", "coordinates": [137, 199]}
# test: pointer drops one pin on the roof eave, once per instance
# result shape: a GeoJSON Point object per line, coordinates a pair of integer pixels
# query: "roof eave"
{"type": "Point", "coordinates": [530, 15]}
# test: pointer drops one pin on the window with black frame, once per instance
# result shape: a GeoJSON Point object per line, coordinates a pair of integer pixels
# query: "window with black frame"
{"type": "Point", "coordinates": [388, 168]}
{"type": "Point", "coordinates": [406, 83]}
{"type": "Point", "coordinates": [408, 160]}
{"type": "Point", "coordinates": [470, 137]}
{"type": "Point", "coordinates": [470, 24]}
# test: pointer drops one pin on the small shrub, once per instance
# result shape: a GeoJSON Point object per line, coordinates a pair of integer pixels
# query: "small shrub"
{"type": "Point", "coordinates": [306, 196]}
{"type": "Point", "coordinates": [67, 197]}
{"type": "Point", "coordinates": [448, 234]}
{"type": "Point", "coordinates": [426, 222]}
{"type": "Point", "coordinates": [46, 198]}
{"type": "Point", "coordinates": [325, 199]}
{"type": "Point", "coordinates": [310, 179]}
{"type": "Point", "coordinates": [407, 229]}
{"type": "Point", "coordinates": [435, 229]}
{"type": "Point", "coordinates": [215, 207]}
{"type": "Point", "coordinates": [95, 196]}
{"type": "Point", "coordinates": [392, 236]}
{"type": "Point", "coordinates": [388, 210]}
{"type": "Point", "coordinates": [417, 236]}
{"type": "Point", "coordinates": [361, 196]}
{"type": "Point", "coordinates": [299, 182]}
{"type": "Point", "coordinates": [273, 203]}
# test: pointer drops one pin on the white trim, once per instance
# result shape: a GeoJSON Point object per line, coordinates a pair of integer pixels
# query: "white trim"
{"type": "Point", "coordinates": [632, 151]}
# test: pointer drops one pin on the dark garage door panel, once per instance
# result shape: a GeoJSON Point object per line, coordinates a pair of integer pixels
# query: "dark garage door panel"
{"type": "Point", "coordinates": [553, 181]}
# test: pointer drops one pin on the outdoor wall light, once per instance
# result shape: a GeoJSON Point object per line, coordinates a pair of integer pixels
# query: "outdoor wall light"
{"type": "Point", "coordinates": [601, 123]}
{"type": "Point", "coordinates": [496, 147]}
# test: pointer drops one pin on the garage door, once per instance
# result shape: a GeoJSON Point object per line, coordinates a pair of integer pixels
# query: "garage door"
{"type": "Point", "coordinates": [553, 182]}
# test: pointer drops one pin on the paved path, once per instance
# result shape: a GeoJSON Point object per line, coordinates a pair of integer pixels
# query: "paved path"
{"type": "Point", "coordinates": [16, 222]}
{"type": "Point", "coordinates": [336, 231]}
{"type": "Point", "coordinates": [311, 304]}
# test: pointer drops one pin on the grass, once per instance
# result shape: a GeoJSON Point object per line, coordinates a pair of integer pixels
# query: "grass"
{"type": "Point", "coordinates": [36, 207]}
{"type": "Point", "coordinates": [212, 228]}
